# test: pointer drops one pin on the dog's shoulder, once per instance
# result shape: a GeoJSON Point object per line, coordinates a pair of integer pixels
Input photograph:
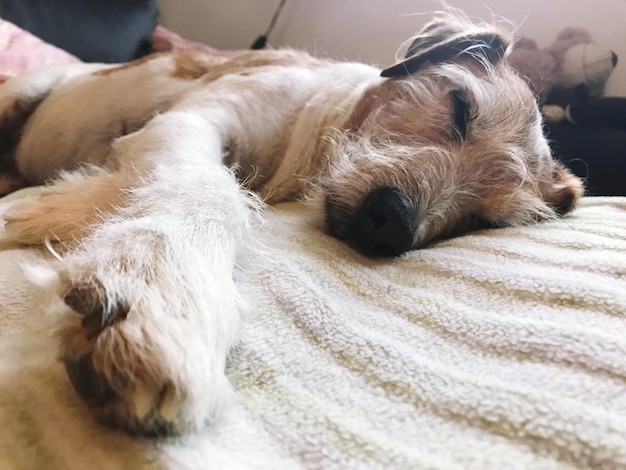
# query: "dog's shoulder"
{"type": "Point", "coordinates": [246, 63]}
{"type": "Point", "coordinates": [195, 65]}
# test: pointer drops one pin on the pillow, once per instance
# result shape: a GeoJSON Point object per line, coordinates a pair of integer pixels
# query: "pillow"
{"type": "Point", "coordinates": [21, 52]}
{"type": "Point", "coordinates": [93, 30]}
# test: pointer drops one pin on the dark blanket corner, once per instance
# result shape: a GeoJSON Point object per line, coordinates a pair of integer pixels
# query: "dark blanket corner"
{"type": "Point", "coordinates": [93, 30]}
{"type": "Point", "coordinates": [597, 155]}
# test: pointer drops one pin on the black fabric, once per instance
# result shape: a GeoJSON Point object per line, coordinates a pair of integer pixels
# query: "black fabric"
{"type": "Point", "coordinates": [606, 112]}
{"type": "Point", "coordinates": [92, 30]}
{"type": "Point", "coordinates": [596, 155]}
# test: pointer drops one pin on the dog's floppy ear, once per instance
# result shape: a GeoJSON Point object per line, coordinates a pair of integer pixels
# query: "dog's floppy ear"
{"type": "Point", "coordinates": [564, 191]}
{"type": "Point", "coordinates": [448, 40]}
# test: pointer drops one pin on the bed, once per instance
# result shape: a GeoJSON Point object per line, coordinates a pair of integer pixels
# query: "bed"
{"type": "Point", "coordinates": [500, 349]}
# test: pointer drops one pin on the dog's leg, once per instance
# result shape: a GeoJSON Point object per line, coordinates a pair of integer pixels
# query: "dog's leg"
{"type": "Point", "coordinates": [66, 210]}
{"type": "Point", "coordinates": [10, 180]}
{"type": "Point", "coordinates": [19, 98]}
{"type": "Point", "coordinates": [150, 307]}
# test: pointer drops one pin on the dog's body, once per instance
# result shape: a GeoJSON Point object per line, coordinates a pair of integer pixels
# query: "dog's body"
{"type": "Point", "coordinates": [150, 234]}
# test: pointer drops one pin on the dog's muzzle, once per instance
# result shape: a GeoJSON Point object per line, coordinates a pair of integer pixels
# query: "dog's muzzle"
{"type": "Point", "coordinates": [385, 224]}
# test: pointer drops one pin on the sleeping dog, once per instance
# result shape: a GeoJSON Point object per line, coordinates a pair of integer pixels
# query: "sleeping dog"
{"type": "Point", "coordinates": [156, 169]}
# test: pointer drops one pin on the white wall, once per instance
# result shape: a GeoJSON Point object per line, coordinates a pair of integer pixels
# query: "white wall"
{"type": "Point", "coordinates": [372, 30]}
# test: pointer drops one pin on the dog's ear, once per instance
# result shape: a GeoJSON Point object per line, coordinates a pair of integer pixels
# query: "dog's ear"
{"type": "Point", "coordinates": [563, 192]}
{"type": "Point", "coordinates": [449, 40]}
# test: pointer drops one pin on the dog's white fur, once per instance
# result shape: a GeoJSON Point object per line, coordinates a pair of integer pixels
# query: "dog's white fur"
{"type": "Point", "coordinates": [151, 232]}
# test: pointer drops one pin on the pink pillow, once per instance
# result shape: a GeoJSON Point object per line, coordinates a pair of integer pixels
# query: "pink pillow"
{"type": "Point", "coordinates": [164, 40]}
{"type": "Point", "coordinates": [21, 52]}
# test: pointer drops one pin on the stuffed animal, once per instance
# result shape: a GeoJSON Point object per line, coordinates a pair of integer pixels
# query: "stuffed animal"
{"type": "Point", "coordinates": [572, 60]}
{"type": "Point", "coordinates": [569, 78]}
{"type": "Point", "coordinates": [586, 130]}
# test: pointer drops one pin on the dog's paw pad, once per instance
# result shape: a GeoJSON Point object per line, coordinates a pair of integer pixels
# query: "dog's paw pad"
{"type": "Point", "coordinates": [103, 363]}
{"type": "Point", "coordinates": [86, 301]}
{"type": "Point", "coordinates": [91, 386]}
{"type": "Point", "coordinates": [83, 300]}
{"type": "Point", "coordinates": [80, 344]}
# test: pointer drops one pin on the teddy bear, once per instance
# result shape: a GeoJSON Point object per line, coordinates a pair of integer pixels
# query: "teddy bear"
{"type": "Point", "coordinates": [586, 130]}
{"type": "Point", "coordinates": [569, 78]}
{"type": "Point", "coordinates": [573, 59]}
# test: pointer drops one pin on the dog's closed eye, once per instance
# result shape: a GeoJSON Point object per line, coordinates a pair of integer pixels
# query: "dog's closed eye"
{"type": "Point", "coordinates": [461, 112]}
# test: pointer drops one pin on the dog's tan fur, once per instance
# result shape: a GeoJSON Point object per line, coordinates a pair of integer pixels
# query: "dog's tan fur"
{"type": "Point", "coordinates": [52, 218]}
{"type": "Point", "coordinates": [151, 234]}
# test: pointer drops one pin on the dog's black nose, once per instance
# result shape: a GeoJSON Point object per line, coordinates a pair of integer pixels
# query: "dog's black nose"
{"type": "Point", "coordinates": [614, 59]}
{"type": "Point", "coordinates": [385, 223]}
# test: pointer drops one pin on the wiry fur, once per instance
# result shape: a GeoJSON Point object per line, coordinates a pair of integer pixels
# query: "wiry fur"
{"type": "Point", "coordinates": [149, 235]}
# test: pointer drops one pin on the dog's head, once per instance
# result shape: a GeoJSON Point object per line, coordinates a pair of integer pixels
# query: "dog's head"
{"type": "Point", "coordinates": [449, 142]}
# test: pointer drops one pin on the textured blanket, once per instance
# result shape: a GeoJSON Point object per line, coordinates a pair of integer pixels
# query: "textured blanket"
{"type": "Point", "coordinates": [501, 349]}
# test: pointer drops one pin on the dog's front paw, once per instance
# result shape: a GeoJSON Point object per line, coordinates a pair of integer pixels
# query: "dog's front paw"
{"type": "Point", "coordinates": [138, 360]}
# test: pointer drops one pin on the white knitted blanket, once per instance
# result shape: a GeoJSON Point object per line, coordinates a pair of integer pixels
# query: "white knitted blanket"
{"type": "Point", "coordinates": [500, 349]}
